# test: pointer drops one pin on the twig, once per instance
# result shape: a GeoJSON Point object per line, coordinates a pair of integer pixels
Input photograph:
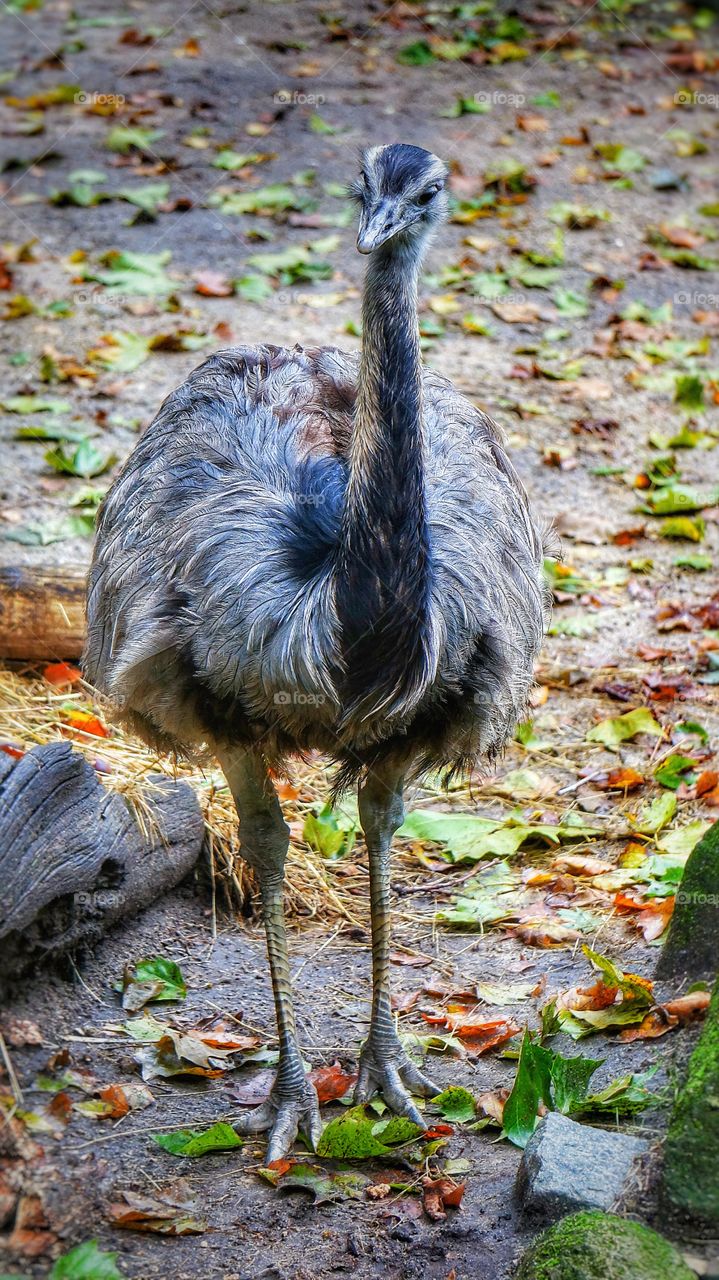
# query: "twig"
{"type": "Point", "coordinates": [11, 1073]}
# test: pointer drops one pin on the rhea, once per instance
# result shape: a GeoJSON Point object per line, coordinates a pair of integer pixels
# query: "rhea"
{"type": "Point", "coordinates": [310, 549]}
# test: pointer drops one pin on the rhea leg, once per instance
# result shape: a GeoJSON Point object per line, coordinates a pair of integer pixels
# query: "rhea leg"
{"type": "Point", "coordinates": [264, 838]}
{"type": "Point", "coordinates": [385, 1067]}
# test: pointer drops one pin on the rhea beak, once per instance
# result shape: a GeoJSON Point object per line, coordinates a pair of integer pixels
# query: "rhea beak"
{"type": "Point", "coordinates": [377, 226]}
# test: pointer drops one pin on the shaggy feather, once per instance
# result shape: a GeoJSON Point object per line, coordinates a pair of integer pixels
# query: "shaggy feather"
{"type": "Point", "coordinates": [309, 551]}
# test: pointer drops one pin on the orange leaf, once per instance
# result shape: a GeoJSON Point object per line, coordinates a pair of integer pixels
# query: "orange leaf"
{"type": "Point", "coordinates": [59, 673]}
{"type": "Point", "coordinates": [653, 1024]}
{"type": "Point", "coordinates": [492, 1103]}
{"type": "Point", "coordinates": [16, 752]}
{"type": "Point", "coordinates": [114, 1094]}
{"type": "Point", "coordinates": [655, 917]}
{"type": "Point", "coordinates": [332, 1082]}
{"type": "Point", "coordinates": [440, 1193]}
{"type": "Point", "coordinates": [689, 1007]}
{"type": "Point", "coordinates": [84, 722]}
{"type": "Point", "coordinates": [620, 780]}
{"type": "Point", "coordinates": [438, 1131]}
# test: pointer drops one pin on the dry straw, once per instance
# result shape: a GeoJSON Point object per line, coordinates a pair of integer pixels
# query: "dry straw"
{"type": "Point", "coordinates": [32, 712]}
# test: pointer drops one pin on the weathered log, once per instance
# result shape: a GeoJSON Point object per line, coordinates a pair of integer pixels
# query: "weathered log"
{"type": "Point", "coordinates": [75, 858]}
{"type": "Point", "coordinates": [42, 613]}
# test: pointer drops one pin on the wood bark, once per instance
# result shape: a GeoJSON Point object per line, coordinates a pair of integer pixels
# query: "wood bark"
{"type": "Point", "coordinates": [76, 858]}
{"type": "Point", "coordinates": [42, 613]}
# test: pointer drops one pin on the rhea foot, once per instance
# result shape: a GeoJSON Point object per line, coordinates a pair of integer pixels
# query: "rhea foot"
{"type": "Point", "coordinates": [284, 1115]}
{"type": "Point", "coordinates": [389, 1071]}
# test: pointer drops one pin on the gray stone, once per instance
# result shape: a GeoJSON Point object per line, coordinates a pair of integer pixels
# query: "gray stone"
{"type": "Point", "coordinates": [568, 1166]}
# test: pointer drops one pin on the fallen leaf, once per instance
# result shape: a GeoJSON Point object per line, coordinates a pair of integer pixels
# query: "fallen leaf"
{"type": "Point", "coordinates": [194, 1142]}
{"type": "Point", "coordinates": [439, 1194]}
{"type": "Point", "coordinates": [170, 1211]}
{"type": "Point", "coordinates": [332, 1082]}
{"type": "Point", "coordinates": [61, 673]}
{"type": "Point", "coordinates": [582, 865]}
{"type": "Point", "coordinates": [213, 284]}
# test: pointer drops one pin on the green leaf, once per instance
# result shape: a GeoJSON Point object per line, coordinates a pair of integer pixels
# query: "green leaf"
{"type": "Point", "coordinates": [418, 54]}
{"type": "Point", "coordinates": [548, 99]}
{"type": "Point", "coordinates": [276, 198]}
{"type": "Point", "coordinates": [570, 1080]}
{"type": "Point", "coordinates": [34, 404]}
{"type": "Point", "coordinates": [154, 978]}
{"type": "Point", "coordinates": [569, 303]}
{"type": "Point", "coordinates": [477, 106]}
{"type": "Point", "coordinates": [689, 391]}
{"type": "Point", "coordinates": [330, 831]}
{"type": "Point", "coordinates": [253, 288]}
{"type": "Point", "coordinates": [194, 1142]}
{"type": "Point", "coordinates": [532, 1085]}
{"type": "Point", "coordinates": [622, 728]}
{"type": "Point", "coordinates": [86, 1262]}
{"type": "Point", "coordinates": [318, 125]}
{"type": "Point", "coordinates": [689, 527]}
{"type": "Point", "coordinates": [631, 986]}
{"type": "Point", "coordinates": [124, 353]}
{"type": "Point", "coordinates": [359, 1136]}
{"type": "Point", "coordinates": [652, 817]}
{"type": "Point", "coordinates": [123, 138]}
{"type": "Point", "coordinates": [670, 772]}
{"type": "Point", "coordinates": [683, 839]}
{"type": "Point", "coordinates": [574, 624]}
{"type": "Point", "coordinates": [147, 197]}
{"type": "Point", "coordinates": [226, 158]}
{"type": "Point", "coordinates": [70, 435]}
{"type": "Point", "coordinates": [673, 498]}
{"type": "Point", "coordinates": [469, 838]}
{"type": "Point", "coordinates": [615, 156]}
{"type": "Point", "coordinates": [577, 217]}
{"type": "Point", "coordinates": [134, 273]}
{"type": "Point", "coordinates": [323, 1185]}
{"type": "Point", "coordinates": [455, 1104]}
{"type": "Point", "coordinates": [86, 460]}
{"type": "Point", "coordinates": [623, 1097]}
{"type": "Point", "coordinates": [699, 563]}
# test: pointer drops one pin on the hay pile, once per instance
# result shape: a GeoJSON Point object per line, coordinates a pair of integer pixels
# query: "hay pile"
{"type": "Point", "coordinates": [35, 711]}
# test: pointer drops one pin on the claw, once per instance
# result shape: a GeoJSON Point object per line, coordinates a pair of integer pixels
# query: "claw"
{"type": "Point", "coordinates": [284, 1118]}
{"type": "Point", "coordinates": [392, 1074]}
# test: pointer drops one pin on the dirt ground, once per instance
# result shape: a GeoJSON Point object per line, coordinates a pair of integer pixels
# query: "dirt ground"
{"type": "Point", "coordinates": [311, 86]}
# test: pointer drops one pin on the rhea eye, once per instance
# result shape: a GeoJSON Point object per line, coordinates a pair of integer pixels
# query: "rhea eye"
{"type": "Point", "coordinates": [429, 194]}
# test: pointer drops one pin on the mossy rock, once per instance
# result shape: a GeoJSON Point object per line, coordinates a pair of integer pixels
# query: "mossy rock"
{"type": "Point", "coordinates": [691, 945]}
{"type": "Point", "coordinates": [601, 1246]}
{"type": "Point", "coordinates": [690, 1177]}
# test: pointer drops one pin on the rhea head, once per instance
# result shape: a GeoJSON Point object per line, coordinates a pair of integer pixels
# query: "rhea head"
{"type": "Point", "coordinates": [402, 197]}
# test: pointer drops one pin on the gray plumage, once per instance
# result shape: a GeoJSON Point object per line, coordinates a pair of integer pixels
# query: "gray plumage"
{"type": "Point", "coordinates": [202, 626]}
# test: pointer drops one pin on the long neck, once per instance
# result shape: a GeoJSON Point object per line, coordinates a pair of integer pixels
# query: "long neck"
{"type": "Point", "coordinates": [384, 554]}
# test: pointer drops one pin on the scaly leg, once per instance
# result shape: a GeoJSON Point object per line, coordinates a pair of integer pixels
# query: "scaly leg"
{"type": "Point", "coordinates": [385, 1067]}
{"type": "Point", "coordinates": [264, 838]}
